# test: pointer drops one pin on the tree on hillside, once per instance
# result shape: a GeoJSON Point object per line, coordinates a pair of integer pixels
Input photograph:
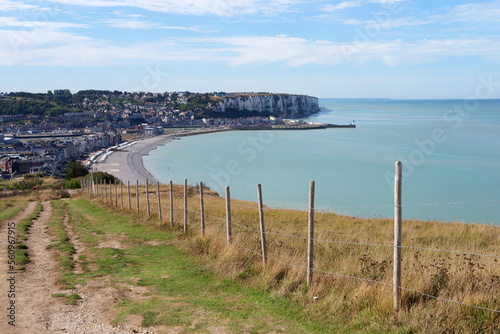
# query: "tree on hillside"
{"type": "Point", "coordinates": [75, 169]}
{"type": "Point", "coordinates": [100, 177]}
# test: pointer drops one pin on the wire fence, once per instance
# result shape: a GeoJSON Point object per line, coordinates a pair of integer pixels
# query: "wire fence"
{"type": "Point", "coordinates": [100, 191]}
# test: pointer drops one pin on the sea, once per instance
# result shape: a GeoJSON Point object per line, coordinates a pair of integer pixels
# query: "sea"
{"type": "Point", "coordinates": [449, 149]}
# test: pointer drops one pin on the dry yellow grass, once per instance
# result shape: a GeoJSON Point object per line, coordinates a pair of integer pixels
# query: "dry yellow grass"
{"type": "Point", "coordinates": [353, 259]}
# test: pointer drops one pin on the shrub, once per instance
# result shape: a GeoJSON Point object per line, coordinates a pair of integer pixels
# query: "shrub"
{"type": "Point", "coordinates": [103, 176]}
{"type": "Point", "coordinates": [73, 184]}
{"type": "Point", "coordinates": [33, 183]}
{"type": "Point", "coordinates": [75, 169]}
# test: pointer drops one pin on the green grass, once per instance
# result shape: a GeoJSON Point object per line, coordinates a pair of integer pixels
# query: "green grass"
{"type": "Point", "coordinates": [21, 256]}
{"type": "Point", "coordinates": [168, 278]}
{"type": "Point", "coordinates": [62, 243]}
{"type": "Point", "coordinates": [23, 226]}
{"type": "Point", "coordinates": [10, 207]}
{"type": "Point", "coordinates": [68, 299]}
{"type": "Point", "coordinates": [174, 289]}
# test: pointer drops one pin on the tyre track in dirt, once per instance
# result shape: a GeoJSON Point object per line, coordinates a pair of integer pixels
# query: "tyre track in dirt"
{"type": "Point", "coordinates": [5, 285]}
{"type": "Point", "coordinates": [37, 311]}
{"type": "Point", "coordinates": [37, 282]}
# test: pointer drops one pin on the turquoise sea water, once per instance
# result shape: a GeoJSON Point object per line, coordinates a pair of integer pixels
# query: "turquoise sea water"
{"type": "Point", "coordinates": [450, 151]}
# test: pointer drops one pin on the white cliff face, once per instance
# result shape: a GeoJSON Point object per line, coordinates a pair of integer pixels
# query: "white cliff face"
{"type": "Point", "coordinates": [280, 105]}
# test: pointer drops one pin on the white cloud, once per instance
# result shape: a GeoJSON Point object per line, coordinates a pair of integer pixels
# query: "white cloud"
{"type": "Point", "coordinates": [121, 13]}
{"type": "Point", "coordinates": [474, 12]}
{"type": "Point", "coordinates": [45, 47]}
{"type": "Point", "coordinates": [194, 7]}
{"type": "Point", "coordinates": [138, 24]}
{"type": "Point", "coordinates": [329, 8]}
{"type": "Point", "coordinates": [8, 6]}
{"type": "Point", "coordinates": [32, 25]}
{"type": "Point", "coordinates": [298, 52]}
{"type": "Point", "coordinates": [130, 24]}
{"type": "Point", "coordinates": [385, 1]}
{"type": "Point", "coordinates": [389, 23]}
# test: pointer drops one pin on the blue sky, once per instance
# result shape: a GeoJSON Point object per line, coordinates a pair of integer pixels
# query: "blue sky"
{"type": "Point", "coordinates": [343, 49]}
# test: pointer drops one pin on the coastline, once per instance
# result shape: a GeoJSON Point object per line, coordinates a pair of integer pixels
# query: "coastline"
{"type": "Point", "coordinates": [127, 164]}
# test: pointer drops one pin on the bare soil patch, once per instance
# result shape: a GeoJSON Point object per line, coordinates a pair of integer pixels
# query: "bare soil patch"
{"type": "Point", "coordinates": [37, 310]}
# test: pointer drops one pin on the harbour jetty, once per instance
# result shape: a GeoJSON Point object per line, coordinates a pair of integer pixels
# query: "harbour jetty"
{"type": "Point", "coordinates": [302, 126]}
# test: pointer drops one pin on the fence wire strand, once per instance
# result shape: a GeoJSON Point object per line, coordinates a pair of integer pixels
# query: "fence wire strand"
{"type": "Point", "coordinates": [348, 242]}
{"type": "Point", "coordinates": [386, 284]}
{"type": "Point", "coordinates": [413, 205]}
{"type": "Point", "coordinates": [354, 243]}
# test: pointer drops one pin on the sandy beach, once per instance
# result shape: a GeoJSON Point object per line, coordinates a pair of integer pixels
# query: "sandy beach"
{"type": "Point", "coordinates": [127, 164]}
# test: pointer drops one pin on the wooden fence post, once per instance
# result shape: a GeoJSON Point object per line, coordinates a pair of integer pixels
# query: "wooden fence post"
{"type": "Point", "coordinates": [159, 202]}
{"type": "Point", "coordinates": [128, 190]}
{"type": "Point", "coordinates": [147, 198]}
{"type": "Point", "coordinates": [110, 198]}
{"type": "Point", "coordinates": [310, 237]}
{"type": "Point", "coordinates": [102, 193]}
{"type": "Point", "coordinates": [121, 193]}
{"type": "Point", "coordinates": [202, 209]}
{"type": "Point", "coordinates": [185, 206]}
{"type": "Point", "coordinates": [137, 194]}
{"type": "Point", "coordinates": [228, 215]}
{"type": "Point", "coordinates": [398, 224]}
{"type": "Point", "coordinates": [116, 193]}
{"type": "Point", "coordinates": [262, 230]}
{"type": "Point", "coordinates": [105, 190]}
{"type": "Point", "coordinates": [171, 204]}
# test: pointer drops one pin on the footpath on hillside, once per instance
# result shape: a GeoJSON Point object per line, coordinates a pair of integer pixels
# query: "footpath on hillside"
{"type": "Point", "coordinates": [32, 291]}
{"type": "Point", "coordinates": [128, 277]}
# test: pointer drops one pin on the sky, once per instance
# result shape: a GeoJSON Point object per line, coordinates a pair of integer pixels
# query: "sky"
{"type": "Point", "coordinates": [397, 49]}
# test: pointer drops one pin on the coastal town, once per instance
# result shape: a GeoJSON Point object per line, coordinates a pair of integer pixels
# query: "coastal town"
{"type": "Point", "coordinates": [39, 133]}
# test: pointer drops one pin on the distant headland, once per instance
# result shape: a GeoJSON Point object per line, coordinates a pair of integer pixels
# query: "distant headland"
{"type": "Point", "coordinates": [139, 106]}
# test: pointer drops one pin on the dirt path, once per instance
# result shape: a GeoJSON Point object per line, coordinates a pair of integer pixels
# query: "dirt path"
{"type": "Point", "coordinates": [5, 286]}
{"type": "Point", "coordinates": [37, 283]}
{"type": "Point", "coordinates": [37, 310]}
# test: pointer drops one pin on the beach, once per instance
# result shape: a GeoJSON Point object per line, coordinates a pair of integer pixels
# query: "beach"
{"type": "Point", "coordinates": [127, 164]}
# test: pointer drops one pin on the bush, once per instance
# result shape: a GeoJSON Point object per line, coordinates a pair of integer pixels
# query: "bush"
{"type": "Point", "coordinates": [60, 193]}
{"type": "Point", "coordinates": [73, 184]}
{"type": "Point", "coordinates": [103, 176]}
{"type": "Point", "coordinates": [33, 176]}
{"type": "Point", "coordinates": [34, 183]}
{"type": "Point", "coordinates": [75, 169]}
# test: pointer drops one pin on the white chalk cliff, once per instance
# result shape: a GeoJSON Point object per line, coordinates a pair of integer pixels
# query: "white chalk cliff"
{"type": "Point", "coordinates": [277, 104]}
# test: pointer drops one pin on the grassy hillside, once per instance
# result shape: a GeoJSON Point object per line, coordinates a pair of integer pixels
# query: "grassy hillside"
{"type": "Point", "coordinates": [352, 284]}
